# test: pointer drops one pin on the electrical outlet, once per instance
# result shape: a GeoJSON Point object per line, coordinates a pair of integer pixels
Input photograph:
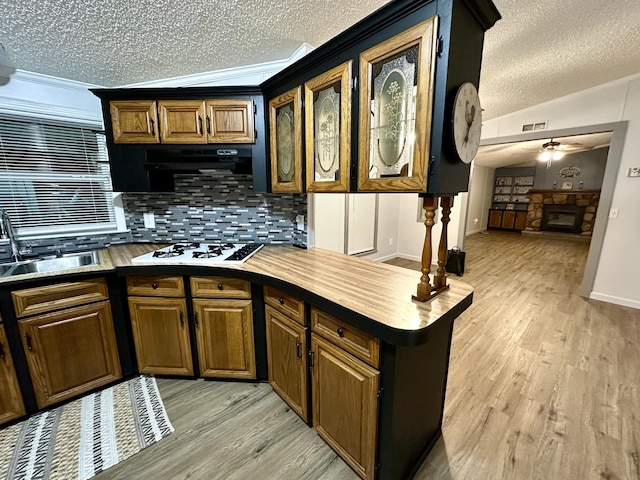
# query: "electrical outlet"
{"type": "Point", "coordinates": [300, 222]}
{"type": "Point", "coordinates": [149, 220]}
{"type": "Point", "coordinates": [634, 172]}
{"type": "Point", "coordinates": [613, 213]}
{"type": "Point", "coordinates": [390, 241]}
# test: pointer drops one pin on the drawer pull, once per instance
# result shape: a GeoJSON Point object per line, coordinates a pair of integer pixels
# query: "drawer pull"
{"type": "Point", "coordinates": [28, 339]}
{"type": "Point", "coordinates": [199, 124]}
{"type": "Point", "coordinates": [340, 332]}
{"type": "Point", "coordinates": [181, 319]}
{"type": "Point", "coordinates": [220, 286]}
{"type": "Point", "coordinates": [154, 285]}
{"type": "Point", "coordinates": [195, 319]}
{"type": "Point", "coordinates": [153, 131]}
{"type": "Point", "coordinates": [298, 351]}
{"type": "Point", "coordinates": [281, 301]}
{"type": "Point", "coordinates": [1, 351]}
{"type": "Point", "coordinates": [208, 124]}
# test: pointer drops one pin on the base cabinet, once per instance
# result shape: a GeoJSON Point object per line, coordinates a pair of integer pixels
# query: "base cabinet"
{"type": "Point", "coordinates": [345, 404]}
{"type": "Point", "coordinates": [70, 351]}
{"type": "Point", "coordinates": [287, 360]}
{"type": "Point", "coordinates": [11, 405]}
{"type": "Point", "coordinates": [161, 335]}
{"type": "Point", "coordinates": [224, 334]}
{"type": "Point", "coordinates": [507, 219]}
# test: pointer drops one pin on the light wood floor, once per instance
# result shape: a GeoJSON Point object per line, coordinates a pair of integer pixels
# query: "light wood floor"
{"type": "Point", "coordinates": [543, 384]}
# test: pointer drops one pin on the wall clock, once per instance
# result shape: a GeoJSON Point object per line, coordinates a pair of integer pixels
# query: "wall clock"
{"type": "Point", "coordinates": [467, 122]}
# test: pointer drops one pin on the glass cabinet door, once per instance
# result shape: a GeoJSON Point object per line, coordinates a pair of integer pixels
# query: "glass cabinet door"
{"type": "Point", "coordinates": [285, 126]}
{"type": "Point", "coordinates": [328, 130]}
{"type": "Point", "coordinates": [396, 78]}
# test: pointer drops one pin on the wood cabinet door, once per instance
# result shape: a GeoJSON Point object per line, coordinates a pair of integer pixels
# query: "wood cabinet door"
{"type": "Point", "coordinates": [287, 360]}
{"type": "Point", "coordinates": [495, 218]}
{"type": "Point", "coordinates": [521, 220]}
{"type": "Point", "coordinates": [224, 334]}
{"type": "Point", "coordinates": [11, 405]}
{"type": "Point", "coordinates": [70, 352]}
{"type": "Point", "coordinates": [182, 121]}
{"type": "Point", "coordinates": [161, 335]}
{"type": "Point", "coordinates": [230, 121]}
{"type": "Point", "coordinates": [134, 121]}
{"type": "Point", "coordinates": [508, 219]}
{"type": "Point", "coordinates": [345, 404]}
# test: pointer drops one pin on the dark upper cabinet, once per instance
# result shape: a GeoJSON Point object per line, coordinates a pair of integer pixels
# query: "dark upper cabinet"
{"type": "Point", "coordinates": [406, 61]}
{"type": "Point", "coordinates": [402, 140]}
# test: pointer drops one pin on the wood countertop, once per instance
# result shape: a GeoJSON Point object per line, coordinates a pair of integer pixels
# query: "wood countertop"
{"type": "Point", "coordinates": [373, 296]}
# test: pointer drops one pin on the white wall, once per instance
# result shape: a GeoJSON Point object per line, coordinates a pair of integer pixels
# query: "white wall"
{"type": "Point", "coordinates": [618, 271]}
{"type": "Point", "coordinates": [480, 196]}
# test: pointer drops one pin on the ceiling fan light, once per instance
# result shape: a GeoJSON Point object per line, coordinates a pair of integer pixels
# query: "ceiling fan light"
{"type": "Point", "coordinates": [545, 156]}
{"type": "Point", "coordinates": [557, 155]}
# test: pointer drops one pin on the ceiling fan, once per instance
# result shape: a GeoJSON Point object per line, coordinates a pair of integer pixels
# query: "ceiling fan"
{"type": "Point", "coordinates": [7, 68]}
{"type": "Point", "coordinates": [554, 150]}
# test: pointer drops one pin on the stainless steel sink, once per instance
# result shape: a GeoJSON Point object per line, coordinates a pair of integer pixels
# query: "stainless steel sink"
{"type": "Point", "coordinates": [48, 264]}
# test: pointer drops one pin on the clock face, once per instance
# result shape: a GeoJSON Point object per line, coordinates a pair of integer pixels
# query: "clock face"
{"type": "Point", "coordinates": [467, 122]}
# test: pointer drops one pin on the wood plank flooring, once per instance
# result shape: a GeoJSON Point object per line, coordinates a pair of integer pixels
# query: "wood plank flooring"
{"type": "Point", "coordinates": [543, 384]}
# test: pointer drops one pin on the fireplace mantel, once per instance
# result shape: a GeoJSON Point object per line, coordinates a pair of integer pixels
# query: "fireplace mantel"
{"type": "Point", "coordinates": [555, 190]}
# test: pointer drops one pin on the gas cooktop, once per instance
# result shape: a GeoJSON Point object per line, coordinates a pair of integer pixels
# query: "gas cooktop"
{"type": "Point", "coordinates": [194, 253]}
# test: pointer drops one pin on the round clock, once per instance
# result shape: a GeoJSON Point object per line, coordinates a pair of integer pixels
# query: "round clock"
{"type": "Point", "coordinates": [467, 122]}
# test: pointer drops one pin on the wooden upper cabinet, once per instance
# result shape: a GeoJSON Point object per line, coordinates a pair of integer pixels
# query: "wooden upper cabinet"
{"type": "Point", "coordinates": [345, 404]}
{"type": "Point", "coordinates": [161, 335]}
{"type": "Point", "coordinates": [285, 134]}
{"type": "Point", "coordinates": [11, 405]}
{"type": "Point", "coordinates": [230, 121]}
{"type": "Point", "coordinates": [70, 352]}
{"type": "Point", "coordinates": [182, 121]}
{"type": "Point", "coordinates": [287, 360]}
{"type": "Point", "coordinates": [134, 121]}
{"type": "Point", "coordinates": [396, 104]}
{"type": "Point", "coordinates": [224, 334]}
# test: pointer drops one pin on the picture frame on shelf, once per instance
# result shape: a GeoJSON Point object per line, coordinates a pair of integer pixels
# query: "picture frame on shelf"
{"type": "Point", "coordinates": [503, 181]}
{"type": "Point", "coordinates": [567, 185]}
{"type": "Point", "coordinates": [502, 190]}
{"type": "Point", "coordinates": [518, 189]}
{"type": "Point", "coordinates": [501, 198]}
{"type": "Point", "coordinates": [285, 134]}
{"type": "Point", "coordinates": [510, 206]}
{"type": "Point", "coordinates": [524, 180]}
{"type": "Point", "coordinates": [328, 130]}
{"type": "Point", "coordinates": [396, 81]}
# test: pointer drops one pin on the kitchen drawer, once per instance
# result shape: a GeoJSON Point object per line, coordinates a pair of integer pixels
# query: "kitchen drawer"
{"type": "Point", "coordinates": [285, 303]}
{"type": "Point", "coordinates": [48, 298]}
{"type": "Point", "coordinates": [364, 346]}
{"type": "Point", "coordinates": [219, 287]}
{"type": "Point", "coordinates": [155, 286]}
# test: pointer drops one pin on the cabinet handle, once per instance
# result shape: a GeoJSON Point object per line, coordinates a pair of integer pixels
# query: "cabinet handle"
{"type": "Point", "coordinates": [281, 301]}
{"type": "Point", "coordinates": [199, 124]}
{"type": "Point", "coordinates": [220, 286]}
{"type": "Point", "coordinates": [154, 285]}
{"type": "Point", "coordinates": [181, 319]}
{"type": "Point", "coordinates": [1, 351]}
{"type": "Point", "coordinates": [208, 125]}
{"type": "Point", "coordinates": [340, 332]}
{"type": "Point", "coordinates": [311, 361]}
{"type": "Point", "coordinates": [298, 351]}
{"type": "Point", "coordinates": [28, 339]}
{"type": "Point", "coordinates": [153, 130]}
{"type": "Point", "coordinates": [195, 319]}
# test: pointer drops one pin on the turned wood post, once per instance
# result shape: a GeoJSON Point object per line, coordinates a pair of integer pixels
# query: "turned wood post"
{"type": "Point", "coordinates": [440, 278]}
{"type": "Point", "coordinates": [430, 204]}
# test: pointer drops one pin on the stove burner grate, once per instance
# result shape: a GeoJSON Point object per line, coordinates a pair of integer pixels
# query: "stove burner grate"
{"type": "Point", "coordinates": [221, 246]}
{"type": "Point", "coordinates": [208, 254]}
{"type": "Point", "coordinates": [186, 246]}
{"type": "Point", "coordinates": [168, 253]}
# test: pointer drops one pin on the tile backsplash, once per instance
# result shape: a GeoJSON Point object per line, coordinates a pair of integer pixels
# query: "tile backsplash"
{"type": "Point", "coordinates": [202, 208]}
{"type": "Point", "coordinates": [216, 208]}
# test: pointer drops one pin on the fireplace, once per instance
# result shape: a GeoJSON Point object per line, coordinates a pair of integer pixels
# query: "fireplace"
{"type": "Point", "coordinates": [562, 218]}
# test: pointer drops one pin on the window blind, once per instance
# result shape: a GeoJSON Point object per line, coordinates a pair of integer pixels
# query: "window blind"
{"type": "Point", "coordinates": [54, 178]}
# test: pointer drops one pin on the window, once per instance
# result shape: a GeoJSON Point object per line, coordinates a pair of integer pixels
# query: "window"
{"type": "Point", "coordinates": [54, 178]}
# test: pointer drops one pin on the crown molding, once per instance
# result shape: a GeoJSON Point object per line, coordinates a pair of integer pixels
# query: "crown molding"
{"type": "Point", "coordinates": [228, 76]}
{"type": "Point", "coordinates": [48, 80]}
{"type": "Point", "coordinates": [25, 108]}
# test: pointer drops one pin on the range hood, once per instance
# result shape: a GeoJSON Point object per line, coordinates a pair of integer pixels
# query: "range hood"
{"type": "Point", "coordinates": [162, 164]}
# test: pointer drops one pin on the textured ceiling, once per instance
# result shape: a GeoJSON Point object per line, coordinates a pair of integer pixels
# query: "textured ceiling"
{"type": "Point", "coordinates": [539, 51]}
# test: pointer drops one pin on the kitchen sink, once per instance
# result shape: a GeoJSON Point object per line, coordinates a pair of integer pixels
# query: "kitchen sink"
{"type": "Point", "coordinates": [49, 264]}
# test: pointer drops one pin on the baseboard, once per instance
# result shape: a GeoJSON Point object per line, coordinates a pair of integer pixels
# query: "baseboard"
{"type": "Point", "coordinates": [625, 302]}
{"type": "Point", "coordinates": [385, 258]}
{"type": "Point", "coordinates": [471, 232]}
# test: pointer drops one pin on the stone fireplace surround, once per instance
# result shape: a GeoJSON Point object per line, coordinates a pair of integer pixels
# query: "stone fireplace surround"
{"type": "Point", "coordinates": [581, 198]}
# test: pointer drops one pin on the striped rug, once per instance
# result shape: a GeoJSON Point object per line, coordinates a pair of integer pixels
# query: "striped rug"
{"type": "Point", "coordinates": [86, 436]}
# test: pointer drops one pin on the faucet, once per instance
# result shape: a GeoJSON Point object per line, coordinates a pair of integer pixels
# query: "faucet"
{"type": "Point", "coordinates": [6, 225]}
